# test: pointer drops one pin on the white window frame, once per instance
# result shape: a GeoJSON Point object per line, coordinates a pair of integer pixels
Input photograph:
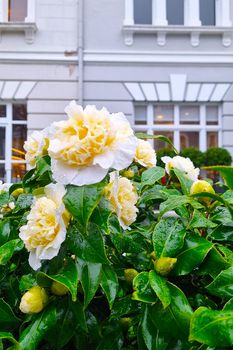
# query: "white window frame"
{"type": "Point", "coordinates": [176, 127]}
{"type": "Point", "coordinates": [8, 123]}
{"type": "Point", "coordinates": [28, 26]}
{"type": "Point", "coordinates": [192, 23]}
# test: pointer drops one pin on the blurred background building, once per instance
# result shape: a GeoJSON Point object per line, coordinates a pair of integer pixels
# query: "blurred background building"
{"type": "Point", "coordinates": [167, 64]}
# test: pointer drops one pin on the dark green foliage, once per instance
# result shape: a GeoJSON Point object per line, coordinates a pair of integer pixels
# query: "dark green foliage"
{"type": "Point", "coordinates": [217, 156]}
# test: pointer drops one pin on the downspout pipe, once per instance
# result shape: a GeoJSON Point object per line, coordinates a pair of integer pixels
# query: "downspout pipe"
{"type": "Point", "coordinates": [80, 51]}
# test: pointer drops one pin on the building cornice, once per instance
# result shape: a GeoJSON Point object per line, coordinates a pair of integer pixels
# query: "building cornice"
{"type": "Point", "coordinates": [158, 57]}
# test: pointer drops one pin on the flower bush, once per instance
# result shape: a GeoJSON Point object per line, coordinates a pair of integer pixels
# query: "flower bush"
{"type": "Point", "coordinates": [86, 262]}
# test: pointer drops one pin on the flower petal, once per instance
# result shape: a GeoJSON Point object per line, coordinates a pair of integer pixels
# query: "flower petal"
{"type": "Point", "coordinates": [89, 175]}
{"type": "Point", "coordinates": [34, 261]}
{"type": "Point", "coordinates": [124, 152]}
{"type": "Point", "coordinates": [105, 160]}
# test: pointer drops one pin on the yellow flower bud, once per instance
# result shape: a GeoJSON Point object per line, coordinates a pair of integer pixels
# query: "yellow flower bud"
{"type": "Point", "coordinates": [164, 265]}
{"type": "Point", "coordinates": [130, 274]}
{"type": "Point", "coordinates": [17, 192]}
{"type": "Point", "coordinates": [126, 322]}
{"type": "Point", "coordinates": [202, 186]}
{"type": "Point", "coordinates": [34, 300]}
{"type": "Point", "coordinates": [59, 289]}
{"type": "Point", "coordinates": [128, 173]}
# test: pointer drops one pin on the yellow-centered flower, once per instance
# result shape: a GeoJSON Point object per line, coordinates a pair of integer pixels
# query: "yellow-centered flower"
{"type": "Point", "coordinates": [84, 147]}
{"type": "Point", "coordinates": [123, 197]}
{"type": "Point", "coordinates": [46, 226]}
{"type": "Point", "coordinates": [145, 154]}
{"type": "Point", "coordinates": [36, 146]}
{"type": "Point", "coordinates": [183, 164]}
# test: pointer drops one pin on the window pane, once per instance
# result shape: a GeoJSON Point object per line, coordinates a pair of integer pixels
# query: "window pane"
{"type": "Point", "coordinates": [2, 142]}
{"type": "Point", "coordinates": [18, 171]}
{"type": "Point", "coordinates": [2, 111]}
{"type": "Point", "coordinates": [175, 12]}
{"type": "Point", "coordinates": [189, 115]}
{"type": "Point", "coordinates": [212, 139]}
{"type": "Point", "coordinates": [19, 136]}
{"type": "Point", "coordinates": [17, 10]}
{"type": "Point", "coordinates": [158, 144]}
{"type": "Point", "coordinates": [19, 112]}
{"type": "Point", "coordinates": [207, 12]}
{"type": "Point", "coordinates": [212, 115]}
{"type": "Point", "coordinates": [140, 115]}
{"type": "Point", "coordinates": [143, 11]}
{"type": "Point", "coordinates": [2, 172]}
{"type": "Point", "coordinates": [189, 139]}
{"type": "Point", "coordinates": [164, 114]}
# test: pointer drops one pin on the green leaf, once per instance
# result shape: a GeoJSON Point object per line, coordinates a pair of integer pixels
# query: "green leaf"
{"type": "Point", "coordinates": [185, 181]}
{"type": "Point", "coordinates": [79, 315]}
{"type": "Point", "coordinates": [101, 214]}
{"type": "Point", "coordinates": [211, 327]}
{"type": "Point", "coordinates": [68, 276]}
{"type": "Point", "coordinates": [173, 321]}
{"type": "Point", "coordinates": [142, 135]}
{"type": "Point", "coordinates": [8, 336]}
{"type": "Point", "coordinates": [174, 202]}
{"type": "Point", "coordinates": [90, 276]}
{"type": "Point", "coordinates": [88, 247]}
{"type": "Point", "coordinates": [4, 198]}
{"type": "Point", "coordinates": [159, 286]}
{"type": "Point", "coordinates": [214, 263]}
{"type": "Point", "coordinates": [225, 171]}
{"type": "Point", "coordinates": [151, 176]}
{"type": "Point", "coordinates": [199, 221]}
{"type": "Point", "coordinates": [124, 306]}
{"type": "Point", "coordinates": [5, 230]}
{"type": "Point", "coordinates": [26, 282]}
{"type": "Point", "coordinates": [109, 283]}
{"type": "Point", "coordinates": [222, 285]}
{"type": "Point", "coordinates": [150, 333]}
{"type": "Point", "coordinates": [222, 233]}
{"type": "Point", "coordinates": [38, 327]}
{"type": "Point", "coordinates": [8, 320]}
{"type": "Point", "coordinates": [193, 253]}
{"type": "Point", "coordinates": [81, 201]}
{"type": "Point", "coordinates": [8, 249]}
{"type": "Point", "coordinates": [168, 237]}
{"type": "Point", "coordinates": [142, 289]}
{"type": "Point", "coordinates": [24, 201]}
{"type": "Point", "coordinates": [229, 305]}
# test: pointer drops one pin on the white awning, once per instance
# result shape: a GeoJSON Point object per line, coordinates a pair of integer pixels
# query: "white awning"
{"type": "Point", "coordinates": [16, 90]}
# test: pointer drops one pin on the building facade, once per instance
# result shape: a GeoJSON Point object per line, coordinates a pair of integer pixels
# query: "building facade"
{"type": "Point", "coordinates": [167, 64]}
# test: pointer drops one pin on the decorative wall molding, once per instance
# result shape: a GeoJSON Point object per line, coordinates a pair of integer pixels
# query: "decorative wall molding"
{"type": "Point", "coordinates": [29, 29]}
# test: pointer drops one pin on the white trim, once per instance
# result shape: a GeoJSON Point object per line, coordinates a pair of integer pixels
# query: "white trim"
{"type": "Point", "coordinates": [205, 92]}
{"type": "Point", "coordinates": [223, 12]}
{"type": "Point", "coordinates": [129, 12]}
{"type": "Point", "coordinates": [212, 57]}
{"type": "Point", "coordinates": [176, 137]}
{"type": "Point", "coordinates": [9, 90]}
{"type": "Point", "coordinates": [31, 11]}
{"type": "Point", "coordinates": [192, 13]}
{"type": "Point", "coordinates": [192, 92]}
{"type": "Point", "coordinates": [178, 85]}
{"type": "Point", "coordinates": [219, 92]}
{"type": "Point", "coordinates": [163, 91]}
{"type": "Point", "coordinates": [135, 91]}
{"type": "Point", "coordinates": [159, 13]}
{"type": "Point", "coordinates": [149, 91]}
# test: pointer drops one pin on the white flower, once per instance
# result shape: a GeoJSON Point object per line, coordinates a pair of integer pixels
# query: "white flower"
{"type": "Point", "coordinates": [4, 187]}
{"type": "Point", "coordinates": [123, 197]}
{"type": "Point", "coordinates": [36, 146]}
{"type": "Point", "coordinates": [145, 154]}
{"type": "Point", "coordinates": [183, 164]}
{"type": "Point", "coordinates": [84, 147]}
{"type": "Point", "coordinates": [46, 227]}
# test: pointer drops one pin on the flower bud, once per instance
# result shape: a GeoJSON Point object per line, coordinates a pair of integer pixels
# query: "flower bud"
{"type": "Point", "coordinates": [59, 288]}
{"type": "Point", "coordinates": [17, 192]}
{"type": "Point", "coordinates": [130, 274]}
{"type": "Point", "coordinates": [126, 322]}
{"type": "Point", "coordinates": [34, 300]}
{"type": "Point", "coordinates": [202, 186]}
{"type": "Point", "coordinates": [164, 265]}
{"type": "Point", "coordinates": [128, 173]}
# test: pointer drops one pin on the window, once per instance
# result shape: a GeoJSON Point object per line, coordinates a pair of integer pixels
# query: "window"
{"type": "Point", "coordinates": [175, 12]}
{"type": "Point", "coordinates": [143, 11]}
{"type": "Point", "coordinates": [17, 10]}
{"type": "Point", "coordinates": [207, 12]}
{"type": "Point", "coordinates": [13, 133]}
{"type": "Point", "coordinates": [187, 125]}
